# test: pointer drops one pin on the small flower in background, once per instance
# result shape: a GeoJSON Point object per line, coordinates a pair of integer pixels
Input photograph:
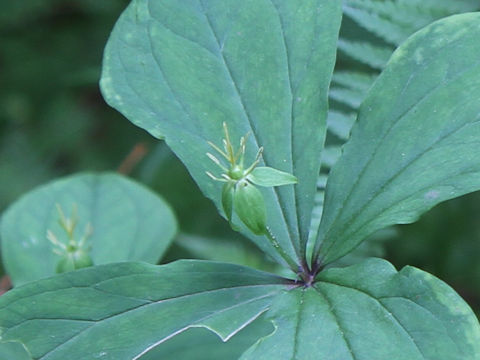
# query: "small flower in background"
{"type": "Point", "coordinates": [75, 254]}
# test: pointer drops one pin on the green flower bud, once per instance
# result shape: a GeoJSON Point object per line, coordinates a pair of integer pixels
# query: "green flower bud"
{"type": "Point", "coordinates": [239, 193]}
{"type": "Point", "coordinates": [250, 207]}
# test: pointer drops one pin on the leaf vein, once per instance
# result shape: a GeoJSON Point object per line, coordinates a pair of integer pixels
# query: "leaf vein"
{"type": "Point", "coordinates": [378, 300]}
{"type": "Point", "coordinates": [337, 321]}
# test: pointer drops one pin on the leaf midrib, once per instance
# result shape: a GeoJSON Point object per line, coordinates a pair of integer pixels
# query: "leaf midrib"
{"type": "Point", "coordinates": [337, 321]}
{"type": "Point", "coordinates": [299, 250]}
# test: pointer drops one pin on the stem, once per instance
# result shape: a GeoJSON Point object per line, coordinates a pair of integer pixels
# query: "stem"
{"type": "Point", "coordinates": [316, 263]}
{"type": "Point", "coordinates": [132, 159]}
{"type": "Point", "coordinates": [291, 263]}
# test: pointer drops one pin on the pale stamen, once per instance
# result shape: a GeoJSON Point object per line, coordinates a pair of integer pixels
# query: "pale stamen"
{"type": "Point", "coordinates": [216, 161]}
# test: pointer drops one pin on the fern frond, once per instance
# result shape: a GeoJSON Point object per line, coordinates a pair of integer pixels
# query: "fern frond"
{"type": "Point", "coordinates": [407, 15]}
{"type": "Point", "coordinates": [322, 182]}
{"type": "Point", "coordinates": [385, 29]}
{"type": "Point", "coordinates": [393, 21]}
{"type": "Point", "coordinates": [441, 8]}
{"type": "Point", "coordinates": [330, 156]}
{"type": "Point", "coordinates": [340, 123]}
{"type": "Point", "coordinates": [354, 80]}
{"type": "Point", "coordinates": [349, 97]}
{"type": "Point", "coordinates": [372, 55]}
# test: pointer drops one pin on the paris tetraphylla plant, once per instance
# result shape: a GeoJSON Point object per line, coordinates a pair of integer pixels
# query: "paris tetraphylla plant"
{"type": "Point", "coordinates": [240, 194]}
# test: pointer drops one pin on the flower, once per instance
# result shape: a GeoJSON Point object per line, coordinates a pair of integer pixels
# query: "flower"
{"type": "Point", "coordinates": [239, 193]}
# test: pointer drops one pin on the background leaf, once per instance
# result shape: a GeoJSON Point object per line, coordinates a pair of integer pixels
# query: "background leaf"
{"type": "Point", "coordinates": [53, 120]}
{"type": "Point", "coordinates": [181, 69]}
{"type": "Point", "coordinates": [129, 223]}
{"type": "Point", "coordinates": [121, 311]}
{"type": "Point", "coordinates": [403, 156]}
{"type": "Point", "coordinates": [370, 311]}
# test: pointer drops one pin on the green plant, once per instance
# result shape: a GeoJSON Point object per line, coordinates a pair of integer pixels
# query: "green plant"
{"type": "Point", "coordinates": [182, 69]}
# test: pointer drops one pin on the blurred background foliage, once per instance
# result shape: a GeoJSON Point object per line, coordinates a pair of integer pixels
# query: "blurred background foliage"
{"type": "Point", "coordinates": [54, 122]}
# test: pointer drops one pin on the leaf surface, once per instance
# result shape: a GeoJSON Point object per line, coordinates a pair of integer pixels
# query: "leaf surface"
{"type": "Point", "coordinates": [201, 344]}
{"type": "Point", "coordinates": [416, 141]}
{"type": "Point", "coordinates": [181, 69]}
{"type": "Point", "coordinates": [370, 311]}
{"type": "Point", "coordinates": [129, 222]}
{"type": "Point", "coordinates": [121, 311]}
{"type": "Point", "coordinates": [13, 350]}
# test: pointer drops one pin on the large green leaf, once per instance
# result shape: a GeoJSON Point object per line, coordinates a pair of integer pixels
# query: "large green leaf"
{"type": "Point", "coordinates": [129, 222]}
{"type": "Point", "coordinates": [202, 344]}
{"type": "Point", "coordinates": [121, 311]}
{"type": "Point", "coordinates": [370, 311]}
{"type": "Point", "coordinates": [417, 138]}
{"type": "Point", "coordinates": [180, 69]}
{"type": "Point", "coordinates": [13, 350]}
{"type": "Point", "coordinates": [367, 311]}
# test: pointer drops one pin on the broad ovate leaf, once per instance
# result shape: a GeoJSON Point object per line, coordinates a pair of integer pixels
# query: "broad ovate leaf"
{"type": "Point", "coordinates": [369, 311]}
{"type": "Point", "coordinates": [122, 311]}
{"type": "Point", "coordinates": [126, 220]}
{"type": "Point", "coordinates": [179, 69]}
{"type": "Point", "coordinates": [416, 141]}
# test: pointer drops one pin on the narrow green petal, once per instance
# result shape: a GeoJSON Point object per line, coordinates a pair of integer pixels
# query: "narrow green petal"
{"type": "Point", "coordinates": [267, 176]}
{"type": "Point", "coordinates": [227, 200]}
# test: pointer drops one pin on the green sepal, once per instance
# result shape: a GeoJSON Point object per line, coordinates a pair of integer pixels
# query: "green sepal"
{"type": "Point", "coordinates": [71, 261]}
{"type": "Point", "coordinates": [227, 199]}
{"type": "Point", "coordinates": [250, 207]}
{"type": "Point", "coordinates": [267, 176]}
